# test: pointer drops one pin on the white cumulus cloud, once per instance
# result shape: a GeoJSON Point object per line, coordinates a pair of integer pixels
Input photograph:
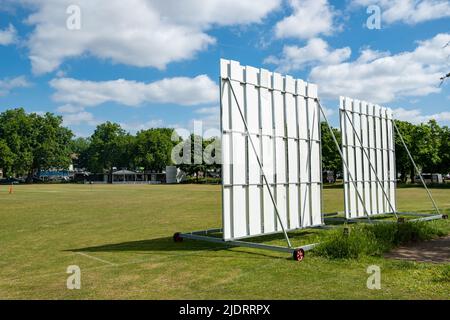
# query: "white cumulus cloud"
{"type": "Point", "coordinates": [8, 35]}
{"type": "Point", "coordinates": [142, 33]}
{"type": "Point", "coordinates": [416, 115]}
{"type": "Point", "coordinates": [178, 90]}
{"type": "Point", "coordinates": [78, 118]}
{"type": "Point", "coordinates": [316, 51]}
{"type": "Point", "coordinates": [9, 84]}
{"type": "Point", "coordinates": [379, 77]}
{"type": "Point", "coordinates": [409, 11]}
{"type": "Point", "coordinates": [309, 19]}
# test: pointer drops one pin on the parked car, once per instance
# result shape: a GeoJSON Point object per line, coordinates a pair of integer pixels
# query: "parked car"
{"type": "Point", "coordinates": [38, 180]}
{"type": "Point", "coordinates": [12, 181]}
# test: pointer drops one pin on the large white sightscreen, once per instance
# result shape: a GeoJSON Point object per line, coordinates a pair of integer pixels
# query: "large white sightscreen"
{"type": "Point", "coordinates": [284, 123]}
{"type": "Point", "coordinates": [369, 150]}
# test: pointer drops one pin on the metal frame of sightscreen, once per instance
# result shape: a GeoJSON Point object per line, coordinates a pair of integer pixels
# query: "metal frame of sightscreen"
{"type": "Point", "coordinates": [300, 182]}
{"type": "Point", "coordinates": [368, 145]}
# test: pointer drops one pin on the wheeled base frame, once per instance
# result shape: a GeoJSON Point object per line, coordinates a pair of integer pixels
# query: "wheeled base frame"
{"type": "Point", "coordinates": [298, 253]}
{"type": "Point", "coordinates": [420, 217]}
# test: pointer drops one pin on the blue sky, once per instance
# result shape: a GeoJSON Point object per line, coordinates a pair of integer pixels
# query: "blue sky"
{"type": "Point", "coordinates": [167, 53]}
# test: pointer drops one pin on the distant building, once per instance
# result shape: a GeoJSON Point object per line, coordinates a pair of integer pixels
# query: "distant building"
{"type": "Point", "coordinates": [1, 173]}
{"type": "Point", "coordinates": [432, 178]}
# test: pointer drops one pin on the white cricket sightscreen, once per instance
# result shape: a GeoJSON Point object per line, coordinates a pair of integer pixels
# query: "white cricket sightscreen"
{"type": "Point", "coordinates": [369, 150]}
{"type": "Point", "coordinates": [283, 121]}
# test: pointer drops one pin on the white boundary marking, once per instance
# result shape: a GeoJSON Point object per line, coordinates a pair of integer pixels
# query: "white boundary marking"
{"type": "Point", "coordinates": [95, 258]}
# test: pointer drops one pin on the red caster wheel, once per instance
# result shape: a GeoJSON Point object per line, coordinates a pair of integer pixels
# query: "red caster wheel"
{"type": "Point", "coordinates": [177, 237]}
{"type": "Point", "coordinates": [298, 254]}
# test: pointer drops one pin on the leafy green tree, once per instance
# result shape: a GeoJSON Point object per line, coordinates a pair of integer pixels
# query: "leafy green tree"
{"type": "Point", "coordinates": [153, 148]}
{"type": "Point", "coordinates": [331, 158]}
{"type": "Point", "coordinates": [80, 152]}
{"type": "Point", "coordinates": [426, 147]}
{"type": "Point", "coordinates": [444, 151]}
{"type": "Point", "coordinates": [403, 163]}
{"type": "Point", "coordinates": [16, 130]}
{"type": "Point", "coordinates": [36, 142]}
{"type": "Point", "coordinates": [50, 143]}
{"type": "Point", "coordinates": [6, 158]}
{"type": "Point", "coordinates": [109, 148]}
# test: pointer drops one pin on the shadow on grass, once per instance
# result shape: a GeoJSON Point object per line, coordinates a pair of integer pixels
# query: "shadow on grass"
{"type": "Point", "coordinates": [167, 244]}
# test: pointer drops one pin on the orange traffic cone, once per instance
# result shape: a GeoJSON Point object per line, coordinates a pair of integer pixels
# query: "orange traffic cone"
{"type": "Point", "coordinates": [11, 189]}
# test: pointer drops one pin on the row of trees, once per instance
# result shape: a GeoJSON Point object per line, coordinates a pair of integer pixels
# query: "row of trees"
{"type": "Point", "coordinates": [30, 143]}
{"type": "Point", "coordinates": [428, 143]}
{"type": "Point", "coordinates": [110, 147]}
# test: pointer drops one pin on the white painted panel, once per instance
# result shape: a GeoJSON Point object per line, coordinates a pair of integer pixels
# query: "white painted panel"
{"type": "Point", "coordinates": [281, 197]}
{"type": "Point", "coordinates": [302, 118]}
{"type": "Point", "coordinates": [236, 72]}
{"type": "Point", "coordinates": [305, 213]}
{"type": "Point", "coordinates": [313, 112]}
{"type": "Point", "coordinates": [346, 179]}
{"type": "Point", "coordinates": [239, 158]}
{"type": "Point", "coordinates": [316, 204]}
{"type": "Point", "coordinates": [373, 160]}
{"type": "Point", "coordinates": [356, 130]}
{"type": "Point", "coordinates": [254, 209]}
{"type": "Point", "coordinates": [280, 160]}
{"type": "Point", "coordinates": [266, 103]}
{"type": "Point", "coordinates": [269, 211]}
{"type": "Point", "coordinates": [379, 166]}
{"type": "Point", "coordinates": [353, 196]}
{"type": "Point", "coordinates": [226, 159]}
{"type": "Point", "coordinates": [315, 162]}
{"type": "Point", "coordinates": [268, 165]}
{"type": "Point", "coordinates": [293, 160]}
{"type": "Point", "coordinates": [392, 165]}
{"type": "Point", "coordinates": [252, 100]}
{"type": "Point", "coordinates": [254, 171]}
{"type": "Point", "coordinates": [278, 105]}
{"type": "Point", "coordinates": [239, 212]}
{"type": "Point", "coordinates": [225, 96]}
{"type": "Point", "coordinates": [226, 212]}
{"type": "Point", "coordinates": [304, 161]}
{"type": "Point", "coordinates": [293, 206]}
{"type": "Point", "coordinates": [268, 158]}
{"type": "Point", "coordinates": [385, 153]}
{"type": "Point", "coordinates": [365, 157]}
{"type": "Point", "coordinates": [291, 113]}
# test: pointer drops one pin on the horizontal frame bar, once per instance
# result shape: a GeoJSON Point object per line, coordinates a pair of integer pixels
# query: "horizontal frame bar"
{"type": "Point", "coordinates": [264, 87]}
{"type": "Point", "coordinates": [236, 243]}
{"type": "Point", "coordinates": [367, 148]}
{"type": "Point", "coordinates": [423, 217]}
{"type": "Point", "coordinates": [367, 181]}
{"type": "Point", "coordinates": [277, 232]}
{"type": "Point", "coordinates": [365, 114]}
{"type": "Point", "coordinates": [230, 131]}
{"type": "Point", "coordinates": [271, 184]}
{"type": "Point", "coordinates": [433, 217]}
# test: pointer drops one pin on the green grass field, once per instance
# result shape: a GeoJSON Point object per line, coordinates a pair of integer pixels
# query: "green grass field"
{"type": "Point", "coordinates": [121, 238]}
